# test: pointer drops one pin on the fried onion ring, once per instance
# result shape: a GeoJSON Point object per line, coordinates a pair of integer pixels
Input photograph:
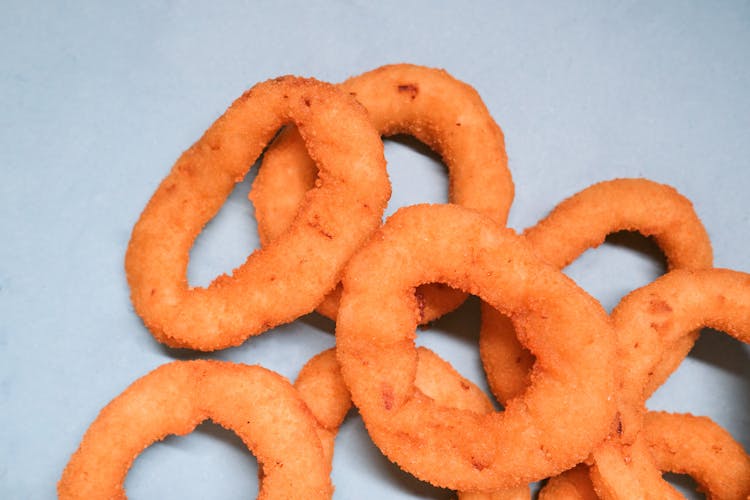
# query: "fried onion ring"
{"type": "Point", "coordinates": [288, 278]}
{"type": "Point", "coordinates": [428, 104]}
{"type": "Point", "coordinates": [622, 471]}
{"type": "Point", "coordinates": [573, 484]}
{"type": "Point", "coordinates": [322, 387]}
{"type": "Point", "coordinates": [259, 405]}
{"type": "Point", "coordinates": [582, 222]}
{"type": "Point", "coordinates": [697, 446]}
{"type": "Point", "coordinates": [647, 322]}
{"type": "Point", "coordinates": [539, 433]}
{"type": "Point", "coordinates": [679, 443]}
{"type": "Point", "coordinates": [650, 320]}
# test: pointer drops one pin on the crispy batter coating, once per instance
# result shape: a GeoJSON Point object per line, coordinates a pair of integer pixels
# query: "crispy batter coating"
{"type": "Point", "coordinates": [262, 407]}
{"type": "Point", "coordinates": [428, 104]}
{"type": "Point", "coordinates": [623, 471]}
{"type": "Point", "coordinates": [697, 446]}
{"type": "Point", "coordinates": [651, 319]}
{"type": "Point", "coordinates": [573, 484]}
{"type": "Point", "coordinates": [283, 280]}
{"type": "Point", "coordinates": [582, 222]}
{"type": "Point", "coordinates": [540, 433]}
{"type": "Point", "coordinates": [647, 322]}
{"type": "Point", "coordinates": [322, 387]}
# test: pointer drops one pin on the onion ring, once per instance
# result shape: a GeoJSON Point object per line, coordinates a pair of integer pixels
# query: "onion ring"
{"type": "Point", "coordinates": [428, 104]}
{"type": "Point", "coordinates": [697, 446]}
{"type": "Point", "coordinates": [622, 471]}
{"type": "Point", "coordinates": [322, 387]}
{"type": "Point", "coordinates": [259, 405]}
{"type": "Point", "coordinates": [573, 484]}
{"type": "Point", "coordinates": [640, 205]}
{"type": "Point", "coordinates": [539, 433]}
{"type": "Point", "coordinates": [286, 279]}
{"type": "Point", "coordinates": [647, 322]}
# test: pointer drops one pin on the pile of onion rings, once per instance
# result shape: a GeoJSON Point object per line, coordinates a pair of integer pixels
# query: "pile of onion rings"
{"type": "Point", "coordinates": [573, 381]}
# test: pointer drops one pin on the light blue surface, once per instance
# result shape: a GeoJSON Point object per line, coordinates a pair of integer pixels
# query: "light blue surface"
{"type": "Point", "coordinates": [98, 100]}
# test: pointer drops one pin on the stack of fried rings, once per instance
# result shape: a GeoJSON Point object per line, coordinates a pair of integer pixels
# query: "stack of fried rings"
{"type": "Point", "coordinates": [685, 244]}
{"type": "Point", "coordinates": [287, 278]}
{"type": "Point", "coordinates": [421, 413]}
{"type": "Point", "coordinates": [539, 433]}
{"type": "Point", "coordinates": [400, 99]}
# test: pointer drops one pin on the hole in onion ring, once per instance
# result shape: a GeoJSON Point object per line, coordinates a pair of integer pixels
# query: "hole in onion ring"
{"type": "Point", "coordinates": [417, 173]}
{"type": "Point", "coordinates": [227, 239]}
{"type": "Point", "coordinates": [358, 461]}
{"type": "Point", "coordinates": [194, 461]}
{"type": "Point", "coordinates": [685, 485]}
{"type": "Point", "coordinates": [631, 260]}
{"type": "Point", "coordinates": [454, 338]}
{"type": "Point", "coordinates": [722, 363]}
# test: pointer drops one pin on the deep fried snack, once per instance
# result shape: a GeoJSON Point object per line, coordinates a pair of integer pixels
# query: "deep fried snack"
{"type": "Point", "coordinates": [582, 222]}
{"type": "Point", "coordinates": [641, 205]}
{"type": "Point", "coordinates": [322, 387]}
{"type": "Point", "coordinates": [539, 433]}
{"type": "Point", "coordinates": [573, 484]}
{"type": "Point", "coordinates": [259, 405]}
{"type": "Point", "coordinates": [428, 104]}
{"type": "Point", "coordinates": [647, 322]}
{"type": "Point", "coordinates": [288, 278]}
{"type": "Point", "coordinates": [623, 471]}
{"type": "Point", "coordinates": [697, 446]}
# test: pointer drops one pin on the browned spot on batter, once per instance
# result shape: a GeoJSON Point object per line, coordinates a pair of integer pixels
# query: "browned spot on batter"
{"type": "Point", "coordinates": [658, 306]}
{"type": "Point", "coordinates": [387, 393]}
{"type": "Point", "coordinates": [478, 464]}
{"type": "Point", "coordinates": [458, 124]}
{"type": "Point", "coordinates": [307, 102]}
{"type": "Point", "coordinates": [420, 305]}
{"type": "Point", "coordinates": [319, 227]}
{"type": "Point", "coordinates": [662, 327]}
{"type": "Point", "coordinates": [518, 359]}
{"type": "Point", "coordinates": [186, 168]}
{"type": "Point", "coordinates": [411, 88]}
{"type": "Point", "coordinates": [464, 385]}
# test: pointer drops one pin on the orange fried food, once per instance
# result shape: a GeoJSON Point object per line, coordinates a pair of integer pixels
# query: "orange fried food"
{"type": "Point", "coordinates": [647, 322]}
{"type": "Point", "coordinates": [540, 433]}
{"type": "Point", "coordinates": [582, 222]}
{"type": "Point", "coordinates": [573, 484]}
{"type": "Point", "coordinates": [322, 387]}
{"type": "Point", "coordinates": [428, 104]}
{"type": "Point", "coordinates": [697, 446]}
{"type": "Point", "coordinates": [650, 320]}
{"type": "Point", "coordinates": [288, 278]}
{"type": "Point", "coordinates": [259, 405]}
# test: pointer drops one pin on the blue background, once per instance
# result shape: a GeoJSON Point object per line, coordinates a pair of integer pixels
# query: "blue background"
{"type": "Point", "coordinates": [99, 99]}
